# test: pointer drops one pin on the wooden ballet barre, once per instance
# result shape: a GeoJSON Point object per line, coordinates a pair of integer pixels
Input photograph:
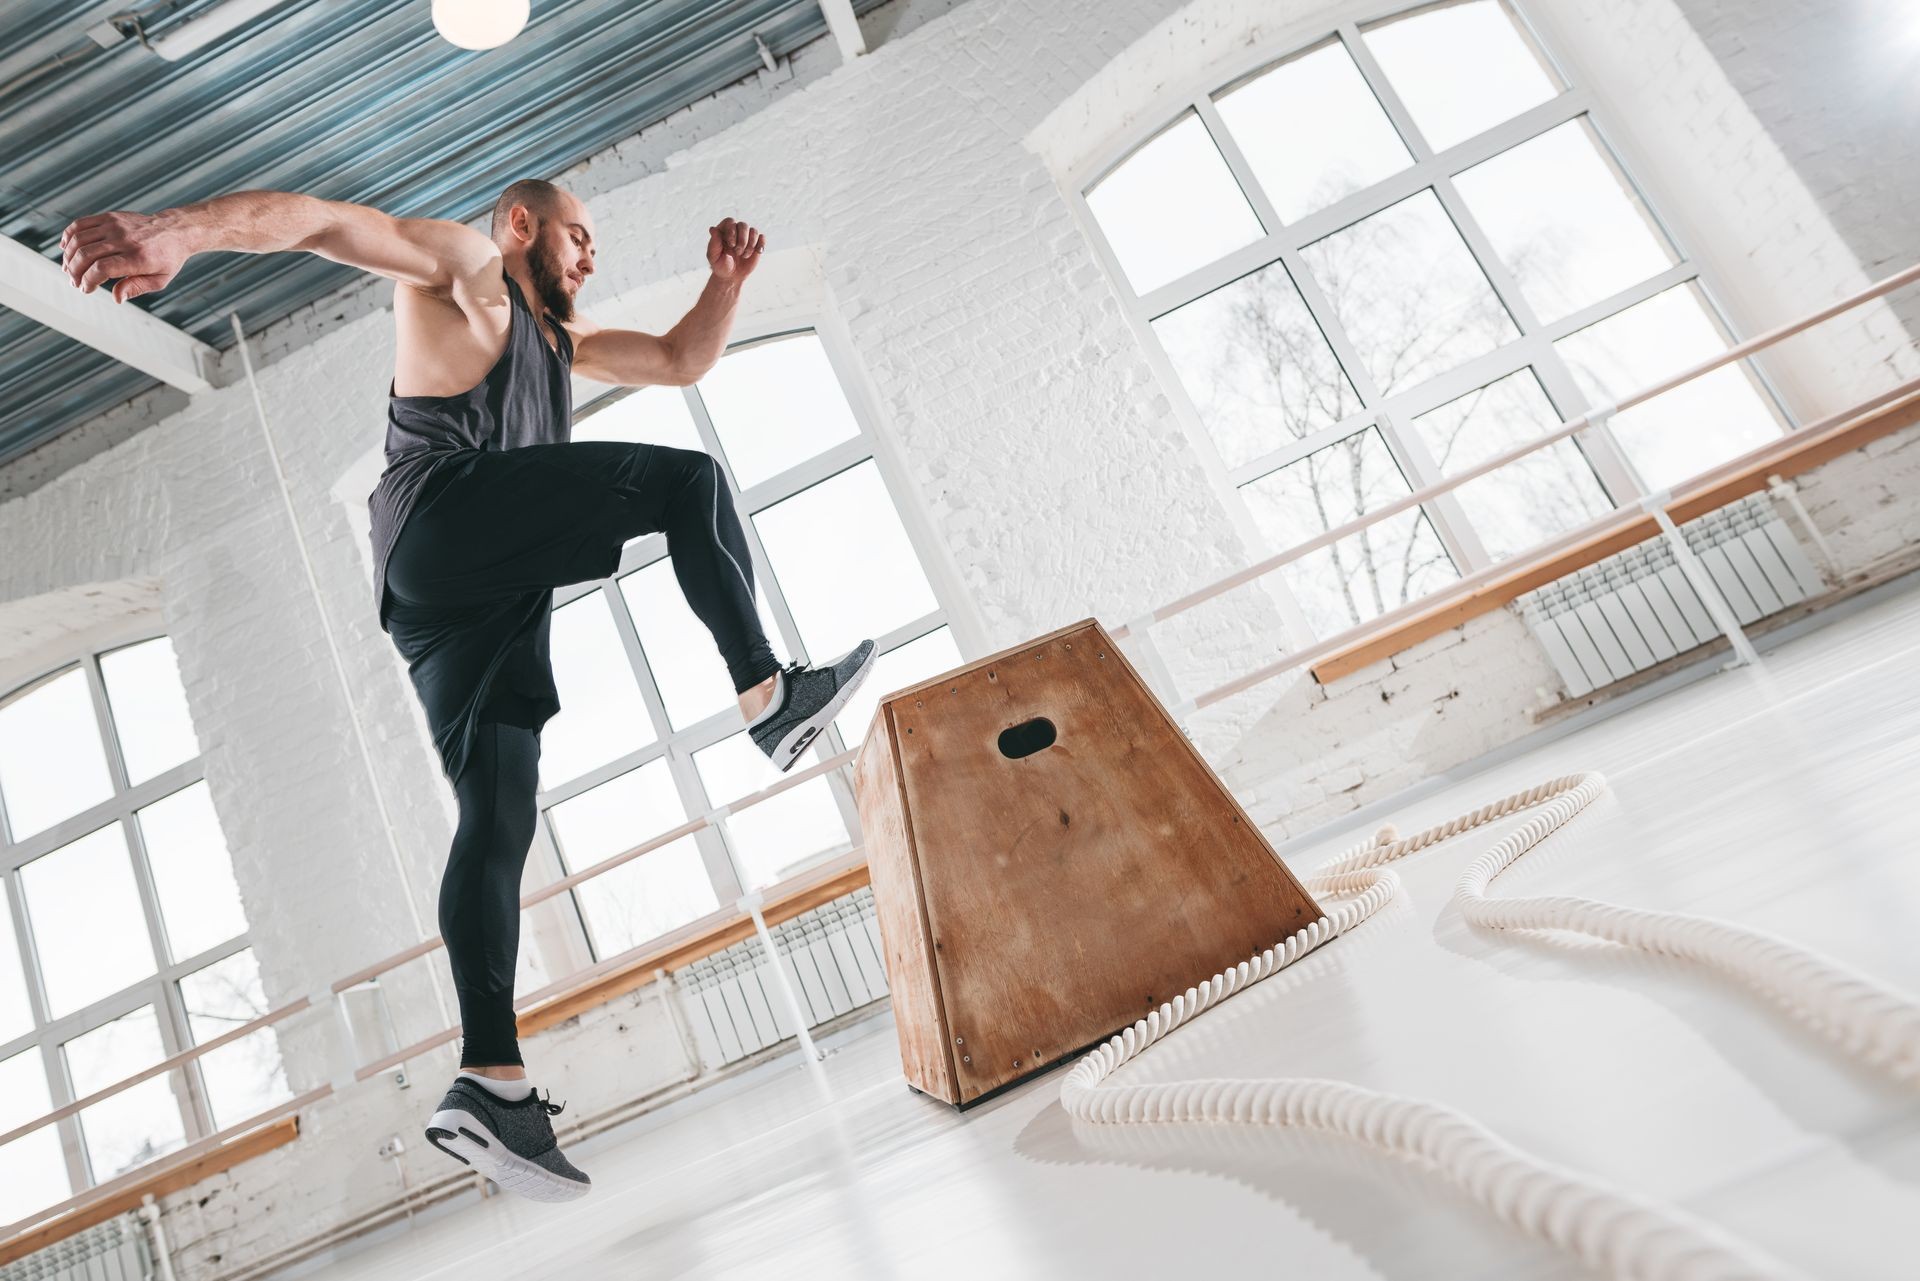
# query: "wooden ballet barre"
{"type": "Point", "coordinates": [1790, 455]}
{"type": "Point", "coordinates": [722, 933]}
{"type": "Point", "coordinates": [219, 1151]}
{"type": "Point", "coordinates": [1583, 546]}
{"type": "Point", "coordinates": [607, 864]}
{"type": "Point", "coordinates": [600, 983]}
{"type": "Point", "coordinates": [1496, 461]}
{"type": "Point", "coordinates": [570, 996]}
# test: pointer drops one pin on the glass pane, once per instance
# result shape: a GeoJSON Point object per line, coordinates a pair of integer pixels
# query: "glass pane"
{"type": "Point", "coordinates": [16, 1012]}
{"type": "Point", "coordinates": [894, 670]}
{"type": "Point", "coordinates": [137, 1124]}
{"type": "Point", "coordinates": [1564, 220]}
{"type": "Point", "coordinates": [52, 764]}
{"type": "Point", "coordinates": [775, 405]}
{"type": "Point", "coordinates": [1524, 503]}
{"type": "Point", "coordinates": [651, 415]}
{"type": "Point", "coordinates": [1691, 428]}
{"type": "Point", "coordinates": [149, 707]}
{"type": "Point", "coordinates": [192, 871]}
{"type": "Point", "coordinates": [602, 716]}
{"type": "Point", "coordinates": [1256, 365]}
{"type": "Point", "coordinates": [687, 668]}
{"type": "Point", "coordinates": [1407, 291]}
{"type": "Point", "coordinates": [243, 1078]}
{"type": "Point", "coordinates": [1312, 131]}
{"type": "Point", "coordinates": [1365, 574]}
{"type": "Point", "coordinates": [777, 837]}
{"type": "Point", "coordinates": [647, 896]}
{"type": "Point", "coordinates": [844, 562]}
{"type": "Point", "coordinates": [33, 1174]}
{"type": "Point", "coordinates": [1461, 68]}
{"type": "Point", "coordinates": [1172, 206]}
{"type": "Point", "coordinates": [88, 928]}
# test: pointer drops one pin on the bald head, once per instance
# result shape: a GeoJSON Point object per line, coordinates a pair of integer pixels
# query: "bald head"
{"type": "Point", "coordinates": [541, 198]}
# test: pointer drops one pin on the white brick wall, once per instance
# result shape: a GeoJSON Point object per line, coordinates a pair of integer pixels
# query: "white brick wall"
{"type": "Point", "coordinates": [1768, 247]}
{"type": "Point", "coordinates": [1832, 83]}
{"type": "Point", "coordinates": [915, 194]}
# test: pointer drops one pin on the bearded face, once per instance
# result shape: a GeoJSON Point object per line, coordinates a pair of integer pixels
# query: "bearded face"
{"type": "Point", "coordinates": [549, 274]}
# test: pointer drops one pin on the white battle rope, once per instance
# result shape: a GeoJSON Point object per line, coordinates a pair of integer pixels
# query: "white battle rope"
{"type": "Point", "coordinates": [1620, 1234]}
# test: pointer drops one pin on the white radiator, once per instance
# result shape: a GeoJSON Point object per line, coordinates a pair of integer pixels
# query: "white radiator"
{"type": "Point", "coordinates": [1635, 609]}
{"type": "Point", "coordinates": [833, 959]}
{"type": "Point", "coordinates": [112, 1251]}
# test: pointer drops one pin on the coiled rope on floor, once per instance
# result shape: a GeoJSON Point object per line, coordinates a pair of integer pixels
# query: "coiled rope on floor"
{"type": "Point", "coordinates": [1616, 1232]}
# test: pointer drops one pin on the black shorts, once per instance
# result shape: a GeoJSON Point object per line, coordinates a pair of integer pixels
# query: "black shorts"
{"type": "Point", "coordinates": [472, 573]}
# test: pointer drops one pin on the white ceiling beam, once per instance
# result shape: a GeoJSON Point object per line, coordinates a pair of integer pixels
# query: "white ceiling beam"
{"type": "Point", "coordinates": [845, 27]}
{"type": "Point", "coordinates": [38, 289]}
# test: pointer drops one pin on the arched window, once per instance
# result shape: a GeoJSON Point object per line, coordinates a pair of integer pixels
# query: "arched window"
{"type": "Point", "coordinates": [1392, 254]}
{"type": "Point", "coordinates": [649, 734]}
{"type": "Point", "coordinates": [122, 936]}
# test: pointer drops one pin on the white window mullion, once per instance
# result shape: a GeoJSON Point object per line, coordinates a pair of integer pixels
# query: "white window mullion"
{"type": "Point", "coordinates": [1376, 78]}
{"type": "Point", "coordinates": [1320, 307]}
{"type": "Point", "coordinates": [1488, 367]}
{"type": "Point", "coordinates": [822, 466]}
{"type": "Point", "coordinates": [189, 1084]}
{"type": "Point", "coordinates": [614, 600]}
{"type": "Point", "coordinates": [1360, 205]}
{"type": "Point", "coordinates": [1237, 162]}
{"type": "Point", "coordinates": [721, 867]}
{"type": "Point", "coordinates": [1420, 469]}
{"type": "Point", "coordinates": [103, 719]}
{"type": "Point", "coordinates": [1293, 451]}
{"type": "Point", "coordinates": [764, 580]}
{"type": "Point", "coordinates": [60, 1090]}
{"type": "Point", "coordinates": [1601, 448]}
{"type": "Point", "coordinates": [1638, 292]}
{"type": "Point", "coordinates": [1505, 286]}
{"type": "Point", "coordinates": [601, 774]}
{"type": "Point", "coordinates": [1217, 274]}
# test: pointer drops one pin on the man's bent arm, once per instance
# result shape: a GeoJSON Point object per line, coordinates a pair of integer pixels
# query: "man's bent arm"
{"type": "Point", "coordinates": [700, 339]}
{"type": "Point", "coordinates": [686, 352]}
{"type": "Point", "coordinates": [677, 358]}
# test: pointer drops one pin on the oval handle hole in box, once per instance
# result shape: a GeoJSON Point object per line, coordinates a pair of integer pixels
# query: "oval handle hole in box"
{"type": "Point", "coordinates": [1027, 737]}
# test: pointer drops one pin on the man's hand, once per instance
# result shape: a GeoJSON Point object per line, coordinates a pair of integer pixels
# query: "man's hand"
{"type": "Point", "coordinates": [733, 250]}
{"type": "Point", "coordinates": [138, 252]}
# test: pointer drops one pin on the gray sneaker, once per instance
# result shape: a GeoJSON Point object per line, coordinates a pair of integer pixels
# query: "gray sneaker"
{"type": "Point", "coordinates": [510, 1143]}
{"type": "Point", "coordinates": [804, 700]}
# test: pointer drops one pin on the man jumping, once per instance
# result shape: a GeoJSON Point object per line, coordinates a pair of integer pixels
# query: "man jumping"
{"type": "Point", "coordinates": [484, 508]}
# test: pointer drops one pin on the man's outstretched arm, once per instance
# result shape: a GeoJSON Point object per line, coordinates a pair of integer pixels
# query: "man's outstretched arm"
{"type": "Point", "coordinates": [141, 252]}
{"type": "Point", "coordinates": [682, 355]}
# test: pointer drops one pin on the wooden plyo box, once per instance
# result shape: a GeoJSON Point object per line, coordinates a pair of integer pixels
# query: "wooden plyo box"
{"type": "Point", "coordinates": [1051, 859]}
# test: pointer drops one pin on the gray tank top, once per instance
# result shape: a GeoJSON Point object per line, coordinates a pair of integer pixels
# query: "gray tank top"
{"type": "Point", "coordinates": [525, 399]}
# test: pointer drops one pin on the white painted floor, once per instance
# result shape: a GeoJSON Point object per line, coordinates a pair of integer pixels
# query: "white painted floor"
{"type": "Point", "coordinates": [1783, 799]}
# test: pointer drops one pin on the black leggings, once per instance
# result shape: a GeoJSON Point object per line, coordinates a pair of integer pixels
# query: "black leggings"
{"type": "Point", "coordinates": [472, 577]}
{"type": "Point", "coordinates": [480, 891]}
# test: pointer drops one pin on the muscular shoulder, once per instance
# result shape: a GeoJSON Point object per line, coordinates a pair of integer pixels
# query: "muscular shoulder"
{"type": "Point", "coordinates": [448, 339]}
{"type": "Point", "coordinates": [476, 297]}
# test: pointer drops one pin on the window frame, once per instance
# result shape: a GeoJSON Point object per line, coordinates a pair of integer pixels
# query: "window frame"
{"type": "Point", "coordinates": [1283, 243]}
{"type": "Point", "coordinates": [161, 989]}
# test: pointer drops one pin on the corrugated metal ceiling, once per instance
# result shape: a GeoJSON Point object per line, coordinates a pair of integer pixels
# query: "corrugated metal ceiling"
{"type": "Point", "coordinates": [357, 100]}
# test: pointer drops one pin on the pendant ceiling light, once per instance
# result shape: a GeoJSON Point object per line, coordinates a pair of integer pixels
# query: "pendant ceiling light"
{"type": "Point", "coordinates": [480, 24]}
